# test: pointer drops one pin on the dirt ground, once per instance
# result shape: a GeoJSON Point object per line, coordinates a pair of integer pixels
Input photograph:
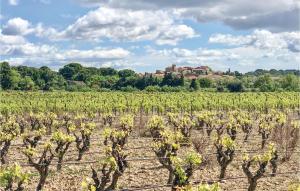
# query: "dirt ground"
{"type": "Point", "coordinates": [143, 173]}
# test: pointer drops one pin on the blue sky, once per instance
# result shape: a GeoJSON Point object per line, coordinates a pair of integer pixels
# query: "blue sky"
{"type": "Point", "coordinates": [146, 35]}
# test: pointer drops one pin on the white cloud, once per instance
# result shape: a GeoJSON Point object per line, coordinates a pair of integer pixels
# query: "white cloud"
{"type": "Point", "coordinates": [261, 39]}
{"type": "Point", "coordinates": [274, 15]}
{"type": "Point", "coordinates": [21, 27]}
{"type": "Point", "coordinates": [194, 57]}
{"type": "Point", "coordinates": [241, 58]}
{"type": "Point", "coordinates": [13, 2]}
{"type": "Point", "coordinates": [98, 53]}
{"type": "Point", "coordinates": [8, 39]}
{"type": "Point", "coordinates": [17, 47]}
{"type": "Point", "coordinates": [231, 40]}
{"type": "Point", "coordinates": [25, 49]}
{"type": "Point", "coordinates": [174, 34]}
{"type": "Point", "coordinates": [162, 22]}
{"type": "Point", "coordinates": [17, 50]}
{"type": "Point", "coordinates": [126, 25]}
{"type": "Point", "coordinates": [16, 26]}
{"type": "Point", "coordinates": [47, 32]}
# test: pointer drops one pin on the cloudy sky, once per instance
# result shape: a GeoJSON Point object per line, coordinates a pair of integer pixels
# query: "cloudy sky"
{"type": "Point", "coordinates": [146, 35]}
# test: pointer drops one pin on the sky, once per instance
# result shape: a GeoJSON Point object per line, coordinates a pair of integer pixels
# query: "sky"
{"type": "Point", "coordinates": [145, 35]}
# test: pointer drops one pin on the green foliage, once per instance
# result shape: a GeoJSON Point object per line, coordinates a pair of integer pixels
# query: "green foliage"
{"type": "Point", "coordinates": [205, 82]}
{"type": "Point", "coordinates": [274, 72]}
{"type": "Point", "coordinates": [71, 71]}
{"type": "Point", "coordinates": [264, 83]}
{"type": "Point", "coordinates": [255, 167]}
{"type": "Point", "coordinates": [184, 168]}
{"type": "Point", "coordinates": [13, 176]}
{"type": "Point", "coordinates": [127, 122]}
{"type": "Point", "coordinates": [61, 137]}
{"type": "Point", "coordinates": [295, 124]}
{"type": "Point", "coordinates": [235, 86]}
{"type": "Point", "coordinates": [16, 102]}
{"type": "Point", "coordinates": [290, 82]}
{"type": "Point", "coordinates": [173, 89]}
{"type": "Point", "coordinates": [207, 187]}
{"type": "Point", "coordinates": [295, 186]}
{"type": "Point", "coordinates": [9, 129]}
{"type": "Point", "coordinates": [128, 89]}
{"type": "Point", "coordinates": [227, 143]}
{"type": "Point", "coordinates": [9, 77]}
{"type": "Point", "coordinates": [152, 89]}
{"type": "Point", "coordinates": [148, 81]}
{"type": "Point", "coordinates": [126, 73]}
{"type": "Point", "coordinates": [74, 77]}
{"type": "Point", "coordinates": [156, 123]}
{"type": "Point", "coordinates": [225, 152]}
{"type": "Point", "coordinates": [172, 80]}
{"type": "Point", "coordinates": [113, 166]}
{"type": "Point", "coordinates": [26, 83]}
{"type": "Point", "coordinates": [194, 85]}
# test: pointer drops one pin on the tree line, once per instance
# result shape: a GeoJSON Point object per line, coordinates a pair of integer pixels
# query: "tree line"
{"type": "Point", "coordinates": [75, 77]}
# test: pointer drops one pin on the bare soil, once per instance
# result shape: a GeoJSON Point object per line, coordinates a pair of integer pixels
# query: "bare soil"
{"type": "Point", "coordinates": [143, 173]}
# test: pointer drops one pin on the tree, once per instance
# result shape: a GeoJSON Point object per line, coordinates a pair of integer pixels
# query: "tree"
{"type": "Point", "coordinates": [5, 75]}
{"type": "Point", "coordinates": [167, 80]}
{"type": "Point", "coordinates": [126, 81]}
{"type": "Point", "coordinates": [264, 83]}
{"type": "Point", "coordinates": [10, 79]}
{"type": "Point", "coordinates": [248, 81]}
{"type": "Point", "coordinates": [48, 79]}
{"type": "Point", "coordinates": [290, 82]}
{"type": "Point", "coordinates": [57, 82]}
{"type": "Point", "coordinates": [238, 74]}
{"type": "Point", "coordinates": [181, 80]}
{"type": "Point", "coordinates": [69, 71]}
{"type": "Point", "coordinates": [235, 86]}
{"type": "Point", "coordinates": [108, 71]}
{"type": "Point", "coordinates": [93, 81]}
{"type": "Point", "coordinates": [172, 80]}
{"type": "Point", "coordinates": [126, 73]}
{"type": "Point", "coordinates": [26, 83]}
{"type": "Point", "coordinates": [108, 81]}
{"type": "Point", "coordinates": [205, 82]}
{"type": "Point", "coordinates": [194, 85]}
{"type": "Point", "coordinates": [147, 80]}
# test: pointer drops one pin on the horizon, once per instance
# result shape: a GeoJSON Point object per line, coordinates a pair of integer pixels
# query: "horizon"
{"type": "Point", "coordinates": [154, 71]}
{"type": "Point", "coordinates": [145, 35]}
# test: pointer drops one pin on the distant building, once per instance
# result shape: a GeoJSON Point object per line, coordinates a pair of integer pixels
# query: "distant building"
{"type": "Point", "coordinates": [188, 71]}
{"type": "Point", "coordinates": [185, 70]}
{"type": "Point", "coordinates": [171, 69]}
{"type": "Point", "coordinates": [159, 72]}
{"type": "Point", "coordinates": [141, 74]}
{"type": "Point", "coordinates": [202, 70]}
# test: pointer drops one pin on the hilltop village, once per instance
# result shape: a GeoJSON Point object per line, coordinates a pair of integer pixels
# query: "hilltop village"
{"type": "Point", "coordinates": [187, 72]}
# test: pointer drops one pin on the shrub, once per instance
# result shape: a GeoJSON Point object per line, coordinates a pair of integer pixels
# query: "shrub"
{"type": "Point", "coordinates": [235, 86]}
{"type": "Point", "coordinates": [152, 89]}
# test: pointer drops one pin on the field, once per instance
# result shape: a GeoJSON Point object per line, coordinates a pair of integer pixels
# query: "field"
{"type": "Point", "coordinates": [149, 141]}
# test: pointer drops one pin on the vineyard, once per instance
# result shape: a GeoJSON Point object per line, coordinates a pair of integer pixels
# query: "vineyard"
{"type": "Point", "coordinates": [149, 141]}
